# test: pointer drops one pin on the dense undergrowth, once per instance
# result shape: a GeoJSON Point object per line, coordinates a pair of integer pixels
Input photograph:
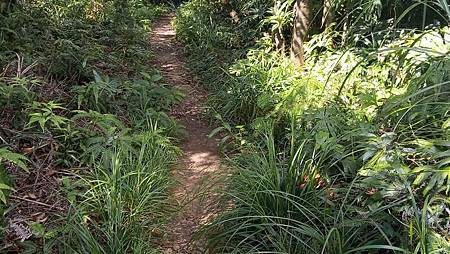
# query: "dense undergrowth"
{"type": "Point", "coordinates": [85, 143]}
{"type": "Point", "coordinates": [348, 153]}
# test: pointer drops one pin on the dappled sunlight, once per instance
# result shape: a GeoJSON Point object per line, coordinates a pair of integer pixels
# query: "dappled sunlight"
{"type": "Point", "coordinates": [200, 162]}
{"type": "Point", "coordinates": [204, 161]}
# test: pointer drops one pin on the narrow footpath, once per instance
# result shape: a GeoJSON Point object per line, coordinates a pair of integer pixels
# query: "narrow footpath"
{"type": "Point", "coordinates": [196, 169]}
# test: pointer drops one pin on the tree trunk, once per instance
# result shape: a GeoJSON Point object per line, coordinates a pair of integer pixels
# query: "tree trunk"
{"type": "Point", "coordinates": [280, 42]}
{"type": "Point", "coordinates": [277, 31]}
{"type": "Point", "coordinates": [346, 28]}
{"type": "Point", "coordinates": [300, 30]}
{"type": "Point", "coordinates": [327, 17]}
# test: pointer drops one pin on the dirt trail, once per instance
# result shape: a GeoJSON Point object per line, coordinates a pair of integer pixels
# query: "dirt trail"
{"type": "Point", "coordinates": [200, 160]}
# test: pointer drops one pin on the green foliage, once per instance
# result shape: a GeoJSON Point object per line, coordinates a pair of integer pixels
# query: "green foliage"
{"type": "Point", "coordinates": [281, 15]}
{"type": "Point", "coordinates": [147, 93]}
{"type": "Point", "coordinates": [124, 198]}
{"type": "Point", "coordinates": [44, 114]}
{"type": "Point", "coordinates": [96, 133]}
{"type": "Point", "coordinates": [282, 204]}
{"type": "Point", "coordinates": [356, 159]}
{"type": "Point", "coordinates": [72, 39]}
{"type": "Point", "coordinates": [16, 91]}
{"type": "Point", "coordinates": [101, 95]}
{"type": "Point", "coordinates": [108, 130]}
{"type": "Point", "coordinates": [14, 158]}
{"type": "Point", "coordinates": [139, 95]}
{"type": "Point", "coordinates": [217, 32]}
{"type": "Point", "coordinates": [150, 118]}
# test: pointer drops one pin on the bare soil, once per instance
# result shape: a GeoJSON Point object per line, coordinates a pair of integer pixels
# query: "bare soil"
{"type": "Point", "coordinates": [197, 168]}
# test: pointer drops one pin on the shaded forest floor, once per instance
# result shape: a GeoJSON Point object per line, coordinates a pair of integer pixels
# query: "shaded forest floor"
{"type": "Point", "coordinates": [200, 162]}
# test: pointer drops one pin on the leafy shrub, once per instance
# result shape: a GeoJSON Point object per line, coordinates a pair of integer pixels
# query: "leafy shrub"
{"type": "Point", "coordinates": [124, 198]}
{"type": "Point", "coordinates": [107, 95]}
{"type": "Point", "coordinates": [285, 204]}
{"type": "Point", "coordinates": [44, 114]}
{"type": "Point", "coordinates": [16, 92]}
{"type": "Point", "coordinates": [356, 158]}
{"type": "Point", "coordinates": [59, 44]}
{"type": "Point", "coordinates": [70, 40]}
{"type": "Point", "coordinates": [15, 158]}
{"type": "Point", "coordinates": [103, 94]}
{"type": "Point", "coordinates": [148, 94]}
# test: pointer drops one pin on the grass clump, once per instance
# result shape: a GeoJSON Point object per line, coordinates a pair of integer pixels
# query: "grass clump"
{"type": "Point", "coordinates": [125, 198]}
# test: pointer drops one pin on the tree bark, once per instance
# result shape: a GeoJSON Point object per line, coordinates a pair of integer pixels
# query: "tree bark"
{"type": "Point", "coordinates": [346, 28]}
{"type": "Point", "coordinates": [300, 30]}
{"type": "Point", "coordinates": [277, 34]}
{"type": "Point", "coordinates": [327, 17]}
{"type": "Point", "coordinates": [280, 42]}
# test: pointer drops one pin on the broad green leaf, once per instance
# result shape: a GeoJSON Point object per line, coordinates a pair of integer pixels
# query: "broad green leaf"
{"type": "Point", "coordinates": [37, 229]}
{"type": "Point", "coordinates": [215, 131]}
{"type": "Point", "coordinates": [5, 187]}
{"type": "Point", "coordinates": [2, 197]}
{"type": "Point", "coordinates": [421, 177]}
{"type": "Point", "coordinates": [14, 158]}
{"type": "Point", "coordinates": [446, 124]}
